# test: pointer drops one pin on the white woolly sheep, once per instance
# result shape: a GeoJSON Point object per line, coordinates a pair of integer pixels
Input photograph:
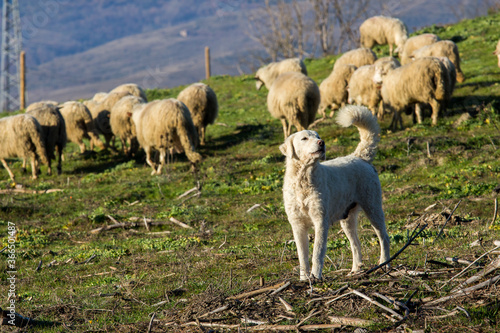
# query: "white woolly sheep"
{"type": "Point", "coordinates": [444, 48]}
{"type": "Point", "coordinates": [357, 57]}
{"type": "Point", "coordinates": [53, 133]}
{"type": "Point", "coordinates": [452, 79]}
{"type": "Point", "coordinates": [293, 98]}
{"type": "Point", "coordinates": [202, 103]}
{"type": "Point", "coordinates": [80, 125]}
{"type": "Point", "coordinates": [497, 52]}
{"type": "Point", "coordinates": [21, 136]}
{"type": "Point", "coordinates": [383, 30]}
{"type": "Point", "coordinates": [166, 124]}
{"type": "Point", "coordinates": [101, 112]}
{"type": "Point", "coordinates": [414, 43]}
{"type": "Point", "coordinates": [267, 74]}
{"type": "Point", "coordinates": [333, 89]}
{"type": "Point", "coordinates": [100, 96]}
{"type": "Point", "coordinates": [35, 105]}
{"type": "Point", "coordinates": [363, 91]}
{"type": "Point", "coordinates": [121, 121]}
{"type": "Point", "coordinates": [424, 80]}
{"type": "Point", "coordinates": [132, 89]}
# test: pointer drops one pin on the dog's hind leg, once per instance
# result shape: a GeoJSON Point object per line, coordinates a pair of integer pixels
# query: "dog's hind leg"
{"type": "Point", "coordinates": [350, 228]}
{"type": "Point", "coordinates": [377, 219]}
{"type": "Point", "coordinates": [300, 234]}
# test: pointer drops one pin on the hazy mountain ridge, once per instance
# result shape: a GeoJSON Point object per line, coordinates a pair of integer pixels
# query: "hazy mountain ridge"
{"type": "Point", "coordinates": [76, 48]}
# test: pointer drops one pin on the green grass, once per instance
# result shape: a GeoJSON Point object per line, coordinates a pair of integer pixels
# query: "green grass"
{"type": "Point", "coordinates": [131, 269]}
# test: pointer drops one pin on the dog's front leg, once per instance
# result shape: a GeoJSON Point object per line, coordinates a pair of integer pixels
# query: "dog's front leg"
{"type": "Point", "coordinates": [300, 234]}
{"type": "Point", "coordinates": [319, 250]}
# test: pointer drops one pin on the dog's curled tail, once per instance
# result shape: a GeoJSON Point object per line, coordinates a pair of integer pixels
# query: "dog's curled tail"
{"type": "Point", "coordinates": [368, 127]}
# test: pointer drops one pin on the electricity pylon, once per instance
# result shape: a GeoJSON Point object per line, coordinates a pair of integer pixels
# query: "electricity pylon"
{"type": "Point", "coordinates": [10, 53]}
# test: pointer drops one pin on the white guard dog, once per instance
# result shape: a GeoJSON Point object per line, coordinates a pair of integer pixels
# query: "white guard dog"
{"type": "Point", "coordinates": [317, 194]}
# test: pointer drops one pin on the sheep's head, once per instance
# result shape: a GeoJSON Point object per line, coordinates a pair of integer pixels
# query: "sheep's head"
{"type": "Point", "coordinates": [258, 83]}
{"type": "Point", "coordinates": [381, 70]}
{"type": "Point", "coordinates": [378, 77]}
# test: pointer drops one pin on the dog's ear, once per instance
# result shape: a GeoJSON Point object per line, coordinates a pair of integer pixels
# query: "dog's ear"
{"type": "Point", "coordinates": [287, 148]}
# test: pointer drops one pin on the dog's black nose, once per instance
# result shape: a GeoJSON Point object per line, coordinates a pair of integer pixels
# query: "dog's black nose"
{"type": "Point", "coordinates": [321, 143]}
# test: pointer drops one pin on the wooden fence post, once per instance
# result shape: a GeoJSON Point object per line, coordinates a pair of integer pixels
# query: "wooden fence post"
{"type": "Point", "coordinates": [22, 80]}
{"type": "Point", "coordinates": [207, 62]}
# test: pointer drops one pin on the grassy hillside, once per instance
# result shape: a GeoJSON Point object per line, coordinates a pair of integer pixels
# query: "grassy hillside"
{"type": "Point", "coordinates": [114, 280]}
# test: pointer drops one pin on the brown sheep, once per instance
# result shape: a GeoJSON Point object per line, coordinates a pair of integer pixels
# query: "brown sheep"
{"type": "Point", "coordinates": [166, 124]}
{"type": "Point", "coordinates": [202, 103]}
{"type": "Point", "coordinates": [293, 98]}
{"type": "Point", "coordinates": [21, 136]}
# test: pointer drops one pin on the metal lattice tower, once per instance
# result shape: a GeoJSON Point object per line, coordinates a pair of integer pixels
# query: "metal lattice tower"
{"type": "Point", "coordinates": [10, 62]}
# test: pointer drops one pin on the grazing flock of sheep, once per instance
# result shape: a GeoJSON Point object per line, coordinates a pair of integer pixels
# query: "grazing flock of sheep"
{"type": "Point", "coordinates": [425, 74]}
{"type": "Point", "coordinates": [163, 125]}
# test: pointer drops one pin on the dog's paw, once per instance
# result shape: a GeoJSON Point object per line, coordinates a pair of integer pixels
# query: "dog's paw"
{"type": "Point", "coordinates": [355, 271]}
{"type": "Point", "coordinates": [315, 279]}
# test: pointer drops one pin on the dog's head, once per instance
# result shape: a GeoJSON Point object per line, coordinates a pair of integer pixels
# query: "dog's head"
{"type": "Point", "coordinates": [305, 146]}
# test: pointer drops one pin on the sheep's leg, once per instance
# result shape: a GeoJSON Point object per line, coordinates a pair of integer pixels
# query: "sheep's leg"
{"type": "Point", "coordinates": [418, 113]}
{"type": "Point", "coordinates": [34, 167]}
{"type": "Point", "coordinates": [83, 148]}
{"type": "Point", "coordinates": [333, 108]}
{"type": "Point", "coordinates": [11, 175]}
{"type": "Point", "coordinates": [163, 152]}
{"type": "Point", "coordinates": [396, 118]}
{"type": "Point", "coordinates": [390, 50]}
{"type": "Point", "coordinates": [289, 130]}
{"type": "Point", "coordinates": [59, 161]}
{"type": "Point", "coordinates": [24, 165]}
{"type": "Point", "coordinates": [322, 111]}
{"type": "Point", "coordinates": [435, 111]}
{"type": "Point", "coordinates": [283, 122]}
{"type": "Point", "coordinates": [400, 119]}
{"type": "Point", "coordinates": [380, 112]}
{"type": "Point", "coordinates": [49, 169]}
{"type": "Point", "coordinates": [96, 141]}
{"type": "Point", "coordinates": [201, 134]}
{"type": "Point", "coordinates": [148, 159]}
{"type": "Point", "coordinates": [125, 148]}
{"type": "Point", "coordinates": [170, 155]}
{"type": "Point", "coordinates": [110, 141]}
